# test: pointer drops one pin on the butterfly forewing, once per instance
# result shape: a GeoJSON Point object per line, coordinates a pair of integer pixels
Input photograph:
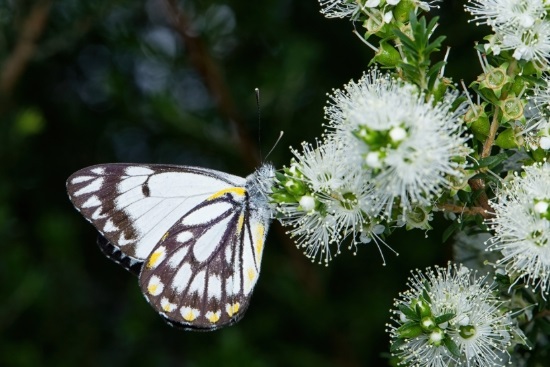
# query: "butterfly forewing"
{"type": "Point", "coordinates": [201, 274]}
{"type": "Point", "coordinates": [134, 205]}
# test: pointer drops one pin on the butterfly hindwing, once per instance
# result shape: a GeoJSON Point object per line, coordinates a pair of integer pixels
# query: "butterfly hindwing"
{"type": "Point", "coordinates": [114, 253]}
{"type": "Point", "coordinates": [201, 274]}
{"type": "Point", "coordinates": [133, 205]}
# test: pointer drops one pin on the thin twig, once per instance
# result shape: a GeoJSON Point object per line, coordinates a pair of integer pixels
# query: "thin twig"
{"type": "Point", "coordinates": [488, 145]}
{"type": "Point", "coordinates": [214, 81]}
{"type": "Point", "coordinates": [15, 64]}
{"type": "Point", "coordinates": [475, 210]}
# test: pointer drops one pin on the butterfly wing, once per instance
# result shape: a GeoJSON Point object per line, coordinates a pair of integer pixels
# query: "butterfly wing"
{"type": "Point", "coordinates": [201, 275]}
{"type": "Point", "coordinates": [114, 253]}
{"type": "Point", "coordinates": [133, 205]}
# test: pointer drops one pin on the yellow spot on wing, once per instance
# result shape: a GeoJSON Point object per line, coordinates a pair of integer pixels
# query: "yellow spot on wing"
{"type": "Point", "coordinates": [154, 258]}
{"type": "Point", "coordinates": [240, 223]}
{"type": "Point", "coordinates": [155, 286]}
{"type": "Point", "coordinates": [189, 315]}
{"type": "Point", "coordinates": [239, 191]}
{"type": "Point", "coordinates": [251, 274]}
{"type": "Point", "coordinates": [152, 288]}
{"type": "Point", "coordinates": [260, 230]}
{"type": "Point", "coordinates": [213, 316]}
{"type": "Point", "coordinates": [164, 237]}
{"type": "Point", "coordinates": [233, 309]}
{"type": "Point", "coordinates": [167, 305]}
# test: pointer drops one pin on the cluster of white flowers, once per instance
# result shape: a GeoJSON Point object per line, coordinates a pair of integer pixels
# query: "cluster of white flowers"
{"type": "Point", "coordinates": [537, 131]}
{"type": "Point", "coordinates": [411, 147]}
{"type": "Point", "coordinates": [521, 26]}
{"type": "Point", "coordinates": [378, 12]}
{"type": "Point", "coordinates": [448, 317]}
{"type": "Point", "coordinates": [522, 227]}
{"type": "Point", "coordinates": [386, 158]}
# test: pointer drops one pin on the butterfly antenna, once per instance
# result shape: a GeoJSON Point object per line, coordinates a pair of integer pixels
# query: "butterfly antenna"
{"type": "Point", "coordinates": [257, 92]}
{"type": "Point", "coordinates": [274, 145]}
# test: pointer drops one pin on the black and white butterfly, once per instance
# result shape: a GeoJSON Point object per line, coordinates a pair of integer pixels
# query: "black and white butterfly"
{"type": "Point", "coordinates": [195, 236]}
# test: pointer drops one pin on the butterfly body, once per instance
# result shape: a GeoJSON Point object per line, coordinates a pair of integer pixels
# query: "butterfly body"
{"type": "Point", "coordinates": [195, 235]}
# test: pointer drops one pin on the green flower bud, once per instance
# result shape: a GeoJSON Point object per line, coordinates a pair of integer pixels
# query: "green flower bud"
{"type": "Point", "coordinates": [478, 121]}
{"type": "Point", "coordinates": [507, 139]}
{"type": "Point", "coordinates": [295, 187]}
{"type": "Point", "coordinates": [403, 9]}
{"type": "Point", "coordinates": [282, 197]}
{"type": "Point", "coordinates": [428, 323]}
{"type": "Point", "coordinates": [387, 55]}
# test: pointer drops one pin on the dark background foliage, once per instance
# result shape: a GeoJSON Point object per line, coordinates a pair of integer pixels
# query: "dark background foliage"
{"type": "Point", "coordinates": [87, 82]}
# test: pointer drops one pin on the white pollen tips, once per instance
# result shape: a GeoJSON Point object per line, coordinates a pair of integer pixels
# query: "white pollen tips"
{"type": "Point", "coordinates": [189, 314]}
{"type": "Point", "coordinates": [155, 286]}
{"type": "Point", "coordinates": [167, 305]}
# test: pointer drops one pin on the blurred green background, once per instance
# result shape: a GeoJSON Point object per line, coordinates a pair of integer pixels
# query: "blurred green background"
{"type": "Point", "coordinates": [161, 81]}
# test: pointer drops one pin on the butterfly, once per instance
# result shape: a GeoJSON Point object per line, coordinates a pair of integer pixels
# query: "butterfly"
{"type": "Point", "coordinates": [194, 236]}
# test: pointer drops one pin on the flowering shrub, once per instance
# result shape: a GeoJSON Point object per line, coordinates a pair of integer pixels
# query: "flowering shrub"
{"type": "Point", "coordinates": [404, 143]}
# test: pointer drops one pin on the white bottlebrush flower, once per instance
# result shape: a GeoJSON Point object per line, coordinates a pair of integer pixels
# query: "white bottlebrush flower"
{"type": "Point", "coordinates": [408, 145]}
{"type": "Point", "coordinates": [495, 13]}
{"type": "Point", "coordinates": [519, 26]}
{"type": "Point", "coordinates": [450, 317]}
{"type": "Point", "coordinates": [339, 8]}
{"type": "Point", "coordinates": [325, 201]}
{"type": "Point", "coordinates": [536, 133]}
{"type": "Point", "coordinates": [522, 227]}
{"type": "Point", "coordinates": [531, 44]}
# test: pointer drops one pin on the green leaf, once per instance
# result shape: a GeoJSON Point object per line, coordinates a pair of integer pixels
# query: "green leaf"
{"type": "Point", "coordinates": [409, 330]}
{"type": "Point", "coordinates": [444, 318]}
{"type": "Point", "coordinates": [396, 345]}
{"type": "Point", "coordinates": [491, 161]}
{"type": "Point", "coordinates": [450, 230]}
{"type": "Point", "coordinates": [408, 312]}
{"type": "Point", "coordinates": [451, 346]}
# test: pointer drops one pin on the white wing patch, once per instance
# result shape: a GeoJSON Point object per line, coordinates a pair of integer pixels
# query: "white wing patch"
{"type": "Point", "coordinates": [197, 285]}
{"type": "Point", "coordinates": [182, 277]}
{"type": "Point", "coordinates": [214, 287]}
{"type": "Point", "coordinates": [92, 202]}
{"type": "Point", "coordinates": [209, 241]}
{"type": "Point", "coordinates": [207, 213]}
{"type": "Point", "coordinates": [80, 179]}
{"type": "Point", "coordinates": [138, 171]}
{"type": "Point", "coordinates": [130, 183]}
{"type": "Point", "coordinates": [94, 186]}
{"type": "Point", "coordinates": [183, 237]}
{"type": "Point", "coordinates": [176, 258]}
{"type": "Point", "coordinates": [98, 170]}
{"type": "Point", "coordinates": [109, 226]}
